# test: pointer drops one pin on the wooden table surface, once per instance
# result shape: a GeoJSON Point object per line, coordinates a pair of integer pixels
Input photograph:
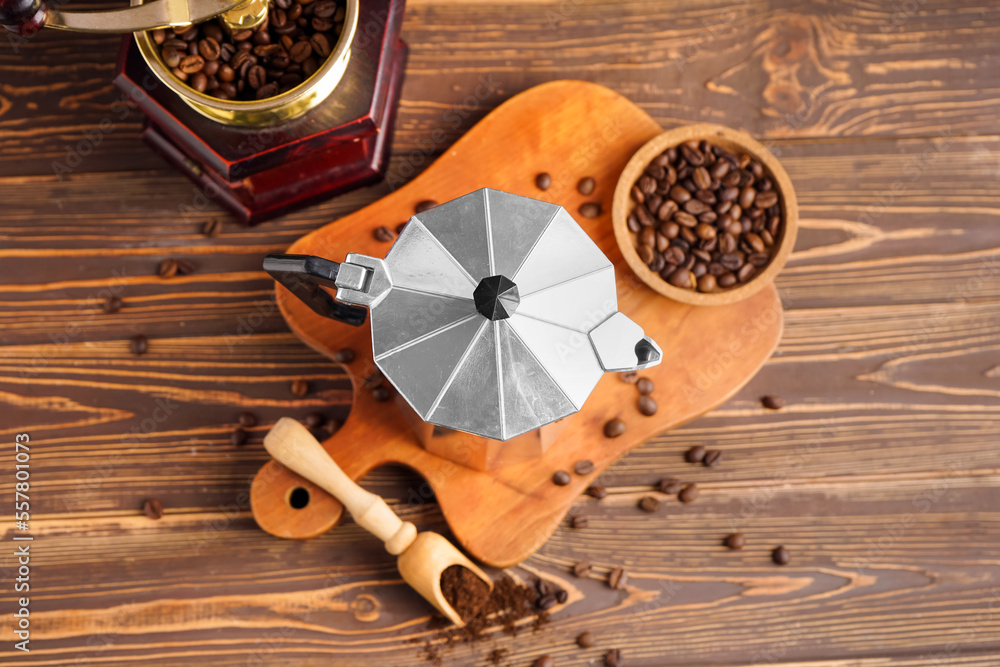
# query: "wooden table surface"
{"type": "Point", "coordinates": [881, 476]}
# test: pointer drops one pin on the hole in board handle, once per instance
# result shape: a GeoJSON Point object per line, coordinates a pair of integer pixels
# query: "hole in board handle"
{"type": "Point", "coordinates": [298, 498]}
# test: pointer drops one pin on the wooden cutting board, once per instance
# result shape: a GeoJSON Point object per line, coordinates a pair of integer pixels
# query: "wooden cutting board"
{"type": "Point", "coordinates": [570, 129]}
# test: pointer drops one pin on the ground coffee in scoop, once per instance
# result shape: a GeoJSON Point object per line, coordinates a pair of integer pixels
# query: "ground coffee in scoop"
{"type": "Point", "coordinates": [464, 591]}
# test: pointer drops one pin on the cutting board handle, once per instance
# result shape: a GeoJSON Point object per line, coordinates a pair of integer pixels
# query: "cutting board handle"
{"type": "Point", "coordinates": [294, 446]}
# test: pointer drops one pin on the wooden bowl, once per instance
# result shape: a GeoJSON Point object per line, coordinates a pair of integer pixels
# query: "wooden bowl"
{"type": "Point", "coordinates": [736, 142]}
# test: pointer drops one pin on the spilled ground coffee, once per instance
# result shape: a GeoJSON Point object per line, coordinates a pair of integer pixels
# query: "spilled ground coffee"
{"type": "Point", "coordinates": [506, 606]}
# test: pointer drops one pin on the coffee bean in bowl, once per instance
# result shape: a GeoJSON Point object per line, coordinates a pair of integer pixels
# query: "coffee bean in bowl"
{"type": "Point", "coordinates": [705, 215]}
{"type": "Point", "coordinates": [291, 45]}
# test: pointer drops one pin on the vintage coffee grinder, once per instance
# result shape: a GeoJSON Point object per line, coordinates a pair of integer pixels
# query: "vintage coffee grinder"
{"type": "Point", "coordinates": [258, 158]}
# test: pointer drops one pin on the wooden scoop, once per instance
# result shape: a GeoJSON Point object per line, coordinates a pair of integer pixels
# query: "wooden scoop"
{"type": "Point", "coordinates": [422, 558]}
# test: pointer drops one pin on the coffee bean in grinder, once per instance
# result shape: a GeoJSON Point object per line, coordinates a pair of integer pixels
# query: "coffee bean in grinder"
{"type": "Point", "coordinates": [267, 106]}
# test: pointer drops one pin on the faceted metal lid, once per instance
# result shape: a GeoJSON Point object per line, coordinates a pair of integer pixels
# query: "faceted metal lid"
{"type": "Point", "coordinates": [485, 324]}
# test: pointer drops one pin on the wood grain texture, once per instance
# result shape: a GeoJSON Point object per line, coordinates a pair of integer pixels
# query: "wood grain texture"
{"type": "Point", "coordinates": [871, 212]}
{"type": "Point", "coordinates": [776, 68]}
{"type": "Point", "coordinates": [884, 460]}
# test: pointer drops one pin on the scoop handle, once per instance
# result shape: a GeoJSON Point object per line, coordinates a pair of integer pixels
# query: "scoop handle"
{"type": "Point", "coordinates": [290, 443]}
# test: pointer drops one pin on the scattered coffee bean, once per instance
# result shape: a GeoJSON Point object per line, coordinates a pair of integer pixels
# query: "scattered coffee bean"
{"type": "Point", "coordinates": [381, 394]}
{"type": "Point", "coordinates": [736, 541]}
{"type": "Point", "coordinates": [543, 181]}
{"type": "Point", "coordinates": [185, 267]}
{"type": "Point", "coordinates": [613, 658]}
{"type": "Point", "coordinates": [579, 521]}
{"type": "Point", "coordinates": [597, 492]}
{"type": "Point", "coordinates": [286, 49]}
{"type": "Point", "coordinates": [314, 419]}
{"type": "Point", "coordinates": [590, 209]}
{"type": "Point", "coordinates": [299, 387]}
{"type": "Point", "coordinates": [383, 234]}
{"type": "Point", "coordinates": [688, 494]}
{"type": "Point", "coordinates": [546, 602]}
{"type": "Point", "coordinates": [695, 455]}
{"type": "Point", "coordinates": [773, 402]}
{"type": "Point", "coordinates": [617, 578]}
{"type": "Point", "coordinates": [669, 485]}
{"type": "Point", "coordinates": [167, 268]}
{"type": "Point", "coordinates": [138, 344]}
{"type": "Point", "coordinates": [649, 504]}
{"type": "Point", "coordinates": [780, 556]}
{"type": "Point", "coordinates": [212, 227]}
{"type": "Point", "coordinates": [561, 478]}
{"type": "Point", "coordinates": [645, 386]}
{"type": "Point", "coordinates": [425, 205]}
{"type": "Point", "coordinates": [586, 186]}
{"type": "Point", "coordinates": [344, 356]}
{"type": "Point", "coordinates": [112, 305]}
{"type": "Point", "coordinates": [238, 437]}
{"type": "Point", "coordinates": [583, 467]}
{"type": "Point", "coordinates": [247, 419]}
{"type": "Point", "coordinates": [585, 640]}
{"type": "Point", "coordinates": [582, 569]}
{"type": "Point", "coordinates": [614, 428]}
{"type": "Point", "coordinates": [712, 458]}
{"type": "Point", "coordinates": [562, 596]}
{"type": "Point", "coordinates": [647, 406]}
{"type": "Point", "coordinates": [400, 227]}
{"type": "Point", "coordinates": [709, 211]}
{"type": "Point", "coordinates": [545, 660]}
{"type": "Point", "coordinates": [153, 508]}
{"type": "Point", "coordinates": [630, 377]}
